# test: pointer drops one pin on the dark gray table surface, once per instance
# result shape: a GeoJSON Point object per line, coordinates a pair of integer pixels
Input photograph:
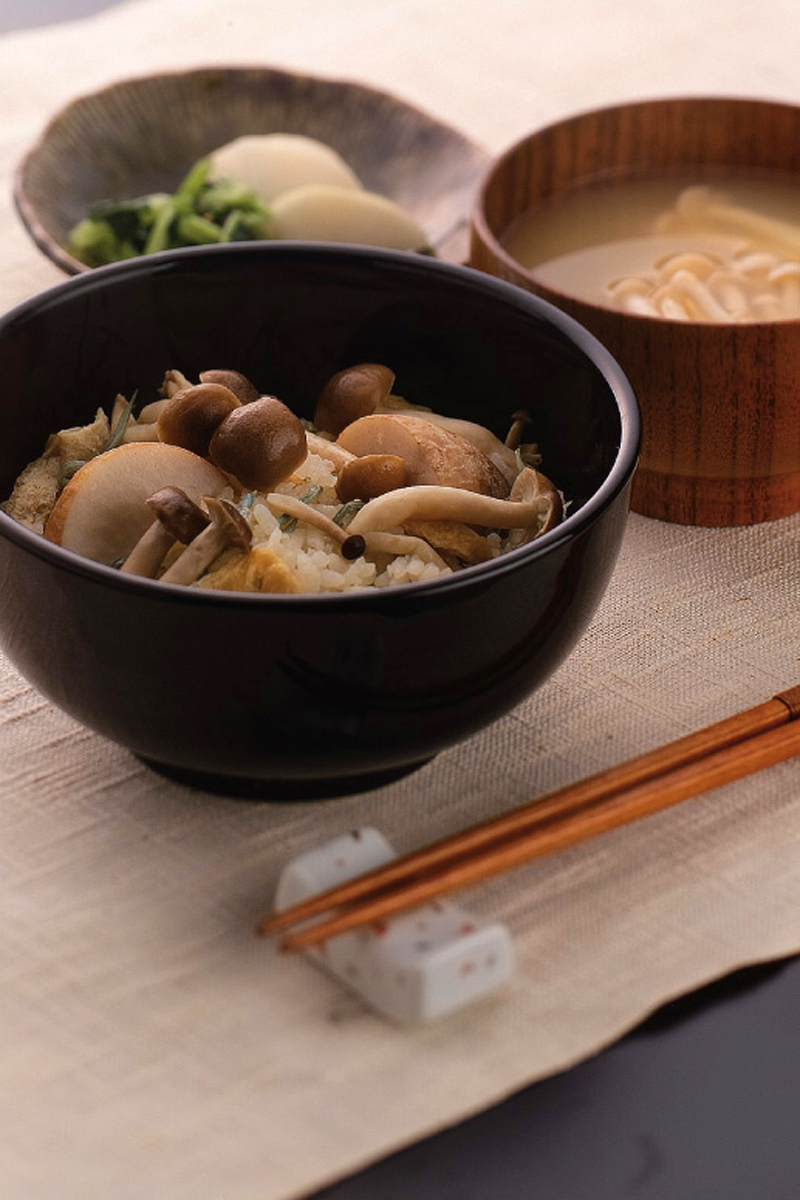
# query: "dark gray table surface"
{"type": "Point", "coordinates": [701, 1102]}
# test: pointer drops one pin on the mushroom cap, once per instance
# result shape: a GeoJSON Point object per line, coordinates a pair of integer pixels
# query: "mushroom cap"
{"type": "Point", "coordinates": [261, 444]}
{"type": "Point", "coordinates": [371, 475]}
{"type": "Point", "coordinates": [352, 393]}
{"type": "Point", "coordinates": [243, 389]}
{"type": "Point", "coordinates": [432, 454]}
{"type": "Point", "coordinates": [103, 511]}
{"type": "Point", "coordinates": [229, 521]}
{"type": "Point", "coordinates": [181, 517]}
{"type": "Point", "coordinates": [226, 529]}
{"type": "Point", "coordinates": [192, 416]}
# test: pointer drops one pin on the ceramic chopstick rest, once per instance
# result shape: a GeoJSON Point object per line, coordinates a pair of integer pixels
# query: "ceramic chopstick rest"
{"type": "Point", "coordinates": [415, 967]}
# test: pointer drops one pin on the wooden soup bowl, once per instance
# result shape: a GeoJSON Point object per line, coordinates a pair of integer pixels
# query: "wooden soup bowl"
{"type": "Point", "coordinates": [720, 402]}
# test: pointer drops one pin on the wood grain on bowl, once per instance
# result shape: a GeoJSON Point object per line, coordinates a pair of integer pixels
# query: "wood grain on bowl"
{"type": "Point", "coordinates": [720, 402]}
{"type": "Point", "coordinates": [141, 135]}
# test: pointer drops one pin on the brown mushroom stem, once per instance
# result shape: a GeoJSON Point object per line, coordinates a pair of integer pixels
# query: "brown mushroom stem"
{"type": "Point", "coordinates": [178, 519]}
{"type": "Point", "coordinates": [350, 547]}
{"type": "Point", "coordinates": [519, 423]}
{"type": "Point", "coordinates": [149, 552]}
{"type": "Point", "coordinates": [447, 503]}
{"type": "Point", "coordinates": [533, 485]}
{"type": "Point", "coordinates": [227, 527]}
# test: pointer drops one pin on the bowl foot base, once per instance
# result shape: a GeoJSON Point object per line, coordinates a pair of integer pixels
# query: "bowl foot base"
{"type": "Point", "coordinates": [277, 790]}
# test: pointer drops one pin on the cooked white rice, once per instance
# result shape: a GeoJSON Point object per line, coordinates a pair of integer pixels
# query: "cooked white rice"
{"type": "Point", "coordinates": [315, 562]}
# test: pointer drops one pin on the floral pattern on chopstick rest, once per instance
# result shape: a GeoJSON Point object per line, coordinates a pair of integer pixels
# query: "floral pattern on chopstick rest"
{"type": "Point", "coordinates": [414, 967]}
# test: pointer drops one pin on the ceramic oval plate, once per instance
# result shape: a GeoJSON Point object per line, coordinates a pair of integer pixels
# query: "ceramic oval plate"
{"type": "Point", "coordinates": [141, 135]}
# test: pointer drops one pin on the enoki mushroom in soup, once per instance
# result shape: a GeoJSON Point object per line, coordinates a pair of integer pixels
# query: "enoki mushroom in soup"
{"type": "Point", "coordinates": [214, 485]}
{"type": "Point", "coordinates": [668, 247]}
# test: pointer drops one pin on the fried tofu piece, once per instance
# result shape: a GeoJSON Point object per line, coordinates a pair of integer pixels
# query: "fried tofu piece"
{"type": "Point", "coordinates": [36, 490]}
{"type": "Point", "coordinates": [258, 570]}
{"type": "Point", "coordinates": [458, 544]}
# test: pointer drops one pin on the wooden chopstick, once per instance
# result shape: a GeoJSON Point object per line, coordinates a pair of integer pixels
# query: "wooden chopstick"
{"type": "Point", "coordinates": [725, 766]}
{"type": "Point", "coordinates": [512, 826]}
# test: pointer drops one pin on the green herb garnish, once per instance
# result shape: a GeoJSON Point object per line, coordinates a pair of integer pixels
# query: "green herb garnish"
{"type": "Point", "coordinates": [200, 212]}
{"type": "Point", "coordinates": [68, 468]}
{"type": "Point", "coordinates": [348, 511]}
{"type": "Point", "coordinates": [118, 432]}
{"type": "Point", "coordinates": [288, 524]}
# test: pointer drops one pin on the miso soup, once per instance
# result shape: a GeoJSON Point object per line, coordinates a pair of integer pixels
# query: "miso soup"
{"type": "Point", "coordinates": [728, 250]}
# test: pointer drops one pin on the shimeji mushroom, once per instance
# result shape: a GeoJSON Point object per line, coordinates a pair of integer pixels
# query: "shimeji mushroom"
{"type": "Point", "coordinates": [785, 279]}
{"type": "Point", "coordinates": [369, 476]}
{"type": "Point", "coordinates": [243, 389]}
{"type": "Point", "coordinates": [192, 416]}
{"type": "Point", "coordinates": [102, 512]}
{"type": "Point", "coordinates": [366, 389]}
{"type": "Point", "coordinates": [394, 544]}
{"type": "Point", "coordinates": [732, 288]}
{"type": "Point", "coordinates": [261, 444]}
{"type": "Point", "coordinates": [535, 509]}
{"type": "Point", "coordinates": [633, 295]}
{"type": "Point", "coordinates": [432, 454]}
{"type": "Point", "coordinates": [520, 420]}
{"type": "Point", "coordinates": [174, 381]}
{"type": "Point", "coordinates": [349, 546]}
{"type": "Point", "coordinates": [178, 519]}
{"type": "Point", "coordinates": [226, 528]}
{"type": "Point", "coordinates": [351, 393]}
{"type": "Point", "coordinates": [687, 286]}
{"type": "Point", "coordinates": [702, 206]}
{"type": "Point", "coordinates": [532, 485]}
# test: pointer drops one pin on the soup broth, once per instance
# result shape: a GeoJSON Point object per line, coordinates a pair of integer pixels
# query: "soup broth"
{"type": "Point", "coordinates": [668, 247]}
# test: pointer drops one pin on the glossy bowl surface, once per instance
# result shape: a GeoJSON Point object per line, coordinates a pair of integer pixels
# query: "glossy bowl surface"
{"type": "Point", "coordinates": [309, 694]}
{"type": "Point", "coordinates": [142, 135]}
{"type": "Point", "coordinates": [720, 402]}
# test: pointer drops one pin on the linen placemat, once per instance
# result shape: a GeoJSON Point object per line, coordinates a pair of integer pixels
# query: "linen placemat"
{"type": "Point", "coordinates": [150, 1045]}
